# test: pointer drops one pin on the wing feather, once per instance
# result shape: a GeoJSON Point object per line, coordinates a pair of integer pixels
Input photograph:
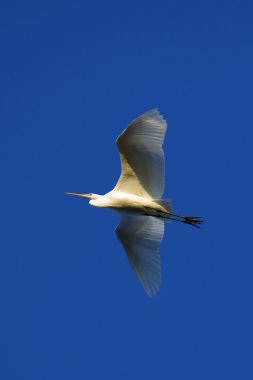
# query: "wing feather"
{"type": "Point", "coordinates": [141, 237]}
{"type": "Point", "coordinates": [142, 156]}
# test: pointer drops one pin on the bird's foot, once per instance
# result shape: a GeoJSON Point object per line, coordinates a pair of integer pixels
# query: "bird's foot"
{"type": "Point", "coordinates": [193, 221]}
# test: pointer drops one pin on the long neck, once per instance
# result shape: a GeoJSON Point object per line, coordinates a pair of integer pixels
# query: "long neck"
{"type": "Point", "coordinates": [98, 200]}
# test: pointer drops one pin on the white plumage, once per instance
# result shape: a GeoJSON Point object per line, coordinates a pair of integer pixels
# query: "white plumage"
{"type": "Point", "coordinates": [141, 237]}
{"type": "Point", "coordinates": [142, 157]}
{"type": "Point", "coordinates": [137, 196]}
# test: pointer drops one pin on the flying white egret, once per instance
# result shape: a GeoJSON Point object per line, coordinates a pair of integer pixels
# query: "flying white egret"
{"type": "Point", "coordinates": [137, 196]}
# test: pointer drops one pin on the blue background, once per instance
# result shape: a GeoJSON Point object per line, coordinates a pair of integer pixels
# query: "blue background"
{"type": "Point", "coordinates": [73, 75]}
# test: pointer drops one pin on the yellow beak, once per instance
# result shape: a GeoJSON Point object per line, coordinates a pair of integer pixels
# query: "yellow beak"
{"type": "Point", "coordinates": [78, 195]}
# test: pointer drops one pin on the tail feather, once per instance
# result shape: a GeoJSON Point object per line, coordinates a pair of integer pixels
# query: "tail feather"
{"type": "Point", "coordinates": [165, 203]}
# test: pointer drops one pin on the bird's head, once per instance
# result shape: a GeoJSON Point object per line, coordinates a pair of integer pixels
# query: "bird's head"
{"type": "Point", "coordinates": [89, 195]}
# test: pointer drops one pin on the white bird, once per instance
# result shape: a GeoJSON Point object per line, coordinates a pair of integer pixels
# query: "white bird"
{"type": "Point", "coordinates": [137, 197]}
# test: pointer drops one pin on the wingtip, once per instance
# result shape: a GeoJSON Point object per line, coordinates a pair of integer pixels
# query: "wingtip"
{"type": "Point", "coordinates": [151, 293]}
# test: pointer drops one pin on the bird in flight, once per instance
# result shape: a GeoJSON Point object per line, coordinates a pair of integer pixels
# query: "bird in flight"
{"type": "Point", "coordinates": [137, 196]}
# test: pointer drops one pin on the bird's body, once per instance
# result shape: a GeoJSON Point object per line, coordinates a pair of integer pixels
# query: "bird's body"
{"type": "Point", "coordinates": [138, 197]}
{"type": "Point", "coordinates": [128, 204]}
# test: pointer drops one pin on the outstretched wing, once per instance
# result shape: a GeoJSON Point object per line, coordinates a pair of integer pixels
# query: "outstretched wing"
{"type": "Point", "coordinates": [142, 157]}
{"type": "Point", "coordinates": [141, 237]}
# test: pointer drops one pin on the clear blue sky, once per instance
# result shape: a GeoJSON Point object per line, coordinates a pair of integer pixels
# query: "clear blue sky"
{"type": "Point", "coordinates": [73, 75]}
